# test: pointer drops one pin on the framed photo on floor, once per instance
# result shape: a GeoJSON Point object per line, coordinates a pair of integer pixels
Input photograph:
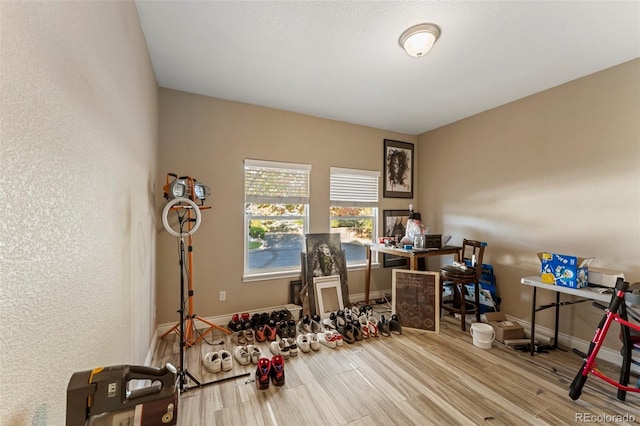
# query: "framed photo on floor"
{"type": "Point", "coordinates": [416, 299]}
{"type": "Point", "coordinates": [394, 223]}
{"type": "Point", "coordinates": [398, 169]}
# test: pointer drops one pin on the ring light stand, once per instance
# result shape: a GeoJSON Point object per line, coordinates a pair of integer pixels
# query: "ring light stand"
{"type": "Point", "coordinates": [187, 325]}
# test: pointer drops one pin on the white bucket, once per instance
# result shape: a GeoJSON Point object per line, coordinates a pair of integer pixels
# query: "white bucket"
{"type": "Point", "coordinates": [483, 335]}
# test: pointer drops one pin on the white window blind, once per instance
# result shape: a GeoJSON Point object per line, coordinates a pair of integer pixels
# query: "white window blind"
{"type": "Point", "coordinates": [354, 188]}
{"type": "Point", "coordinates": [270, 182]}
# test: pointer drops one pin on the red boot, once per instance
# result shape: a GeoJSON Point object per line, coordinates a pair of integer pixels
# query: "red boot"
{"type": "Point", "coordinates": [277, 370]}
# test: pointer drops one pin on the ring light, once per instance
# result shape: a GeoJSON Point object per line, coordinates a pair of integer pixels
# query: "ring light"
{"type": "Point", "coordinates": [165, 214]}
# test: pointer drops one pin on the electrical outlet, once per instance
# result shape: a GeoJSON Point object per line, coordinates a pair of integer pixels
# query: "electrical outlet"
{"type": "Point", "coordinates": [223, 296]}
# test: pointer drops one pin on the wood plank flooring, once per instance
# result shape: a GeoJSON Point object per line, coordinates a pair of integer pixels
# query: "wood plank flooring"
{"type": "Point", "coordinates": [416, 378]}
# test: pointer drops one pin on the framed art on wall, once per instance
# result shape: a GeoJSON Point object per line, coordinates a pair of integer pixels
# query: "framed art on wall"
{"type": "Point", "coordinates": [394, 224]}
{"type": "Point", "coordinates": [398, 169]}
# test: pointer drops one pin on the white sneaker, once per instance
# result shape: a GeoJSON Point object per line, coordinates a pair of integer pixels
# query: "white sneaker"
{"type": "Point", "coordinates": [241, 354]}
{"type": "Point", "coordinates": [226, 360]}
{"type": "Point", "coordinates": [329, 324]}
{"type": "Point", "coordinates": [255, 353]}
{"type": "Point", "coordinates": [313, 341]}
{"type": "Point", "coordinates": [293, 347]}
{"type": "Point", "coordinates": [303, 343]}
{"type": "Point", "coordinates": [327, 339]}
{"type": "Point", "coordinates": [336, 337]}
{"type": "Point", "coordinates": [280, 347]}
{"type": "Point", "coordinates": [212, 362]}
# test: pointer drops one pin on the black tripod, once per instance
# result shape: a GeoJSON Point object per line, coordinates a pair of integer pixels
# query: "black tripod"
{"type": "Point", "coordinates": [183, 374]}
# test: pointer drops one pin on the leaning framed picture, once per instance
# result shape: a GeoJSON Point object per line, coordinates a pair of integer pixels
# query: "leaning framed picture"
{"type": "Point", "coordinates": [416, 299]}
{"type": "Point", "coordinates": [398, 169]}
{"type": "Point", "coordinates": [394, 224]}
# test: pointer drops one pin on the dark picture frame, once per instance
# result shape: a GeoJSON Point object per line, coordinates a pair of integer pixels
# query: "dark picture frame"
{"type": "Point", "coordinates": [394, 222]}
{"type": "Point", "coordinates": [324, 257]}
{"type": "Point", "coordinates": [398, 169]}
{"type": "Point", "coordinates": [295, 288]}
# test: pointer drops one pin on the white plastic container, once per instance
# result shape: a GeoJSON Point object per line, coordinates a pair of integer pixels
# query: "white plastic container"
{"type": "Point", "coordinates": [483, 335]}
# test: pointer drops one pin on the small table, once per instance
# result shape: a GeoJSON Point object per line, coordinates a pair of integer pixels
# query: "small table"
{"type": "Point", "coordinates": [413, 255]}
{"type": "Point", "coordinates": [587, 293]}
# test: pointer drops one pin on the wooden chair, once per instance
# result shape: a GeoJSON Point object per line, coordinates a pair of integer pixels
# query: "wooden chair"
{"type": "Point", "coordinates": [459, 277]}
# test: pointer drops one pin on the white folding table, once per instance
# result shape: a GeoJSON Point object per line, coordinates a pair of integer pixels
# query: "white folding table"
{"type": "Point", "coordinates": [587, 293]}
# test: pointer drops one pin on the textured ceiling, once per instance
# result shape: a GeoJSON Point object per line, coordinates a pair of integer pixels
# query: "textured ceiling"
{"type": "Point", "coordinates": [341, 59]}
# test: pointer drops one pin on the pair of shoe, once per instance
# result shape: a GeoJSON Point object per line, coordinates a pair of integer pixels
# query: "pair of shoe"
{"type": "Point", "coordinates": [270, 370]}
{"type": "Point", "coordinates": [308, 342]}
{"type": "Point", "coordinates": [247, 354]}
{"type": "Point", "coordinates": [243, 337]}
{"type": "Point", "coordinates": [287, 329]}
{"type": "Point", "coordinates": [371, 324]}
{"type": "Point", "coordinates": [266, 332]}
{"type": "Point", "coordinates": [383, 326]}
{"type": "Point", "coordinates": [309, 325]}
{"type": "Point", "coordinates": [239, 322]}
{"type": "Point", "coordinates": [394, 325]}
{"type": "Point", "coordinates": [286, 347]}
{"type": "Point", "coordinates": [281, 315]}
{"type": "Point", "coordinates": [330, 338]}
{"type": "Point", "coordinates": [348, 333]}
{"type": "Point", "coordinates": [330, 323]}
{"type": "Point", "coordinates": [218, 361]}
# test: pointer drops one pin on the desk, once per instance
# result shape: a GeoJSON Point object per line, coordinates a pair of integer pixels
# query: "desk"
{"type": "Point", "coordinates": [412, 255]}
{"type": "Point", "coordinates": [586, 294]}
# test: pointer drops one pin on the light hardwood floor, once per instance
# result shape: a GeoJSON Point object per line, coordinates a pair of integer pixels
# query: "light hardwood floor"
{"type": "Point", "coordinates": [416, 378]}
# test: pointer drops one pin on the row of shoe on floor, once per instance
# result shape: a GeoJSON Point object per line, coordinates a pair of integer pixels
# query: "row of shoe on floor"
{"type": "Point", "coordinates": [287, 337]}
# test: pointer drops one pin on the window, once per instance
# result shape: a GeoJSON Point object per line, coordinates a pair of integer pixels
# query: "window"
{"type": "Point", "coordinates": [354, 210]}
{"type": "Point", "coordinates": [276, 217]}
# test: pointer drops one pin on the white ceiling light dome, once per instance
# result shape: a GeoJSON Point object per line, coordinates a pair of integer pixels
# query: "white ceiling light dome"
{"type": "Point", "coordinates": [419, 39]}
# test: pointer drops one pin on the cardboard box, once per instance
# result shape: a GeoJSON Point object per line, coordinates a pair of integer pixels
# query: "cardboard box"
{"type": "Point", "coordinates": [505, 329]}
{"type": "Point", "coordinates": [604, 277]}
{"type": "Point", "coordinates": [564, 270]}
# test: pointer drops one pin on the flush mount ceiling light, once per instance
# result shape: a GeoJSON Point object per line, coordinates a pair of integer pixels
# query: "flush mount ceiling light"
{"type": "Point", "coordinates": [419, 39]}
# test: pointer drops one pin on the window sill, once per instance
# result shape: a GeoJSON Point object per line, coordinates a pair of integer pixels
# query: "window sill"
{"type": "Point", "coordinates": [267, 276]}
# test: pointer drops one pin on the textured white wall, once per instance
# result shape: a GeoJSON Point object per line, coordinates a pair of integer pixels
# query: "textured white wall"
{"type": "Point", "coordinates": [78, 165]}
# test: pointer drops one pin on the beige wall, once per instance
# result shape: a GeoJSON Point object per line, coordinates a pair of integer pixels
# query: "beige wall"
{"type": "Point", "coordinates": [557, 171]}
{"type": "Point", "coordinates": [78, 101]}
{"type": "Point", "coordinates": [209, 139]}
